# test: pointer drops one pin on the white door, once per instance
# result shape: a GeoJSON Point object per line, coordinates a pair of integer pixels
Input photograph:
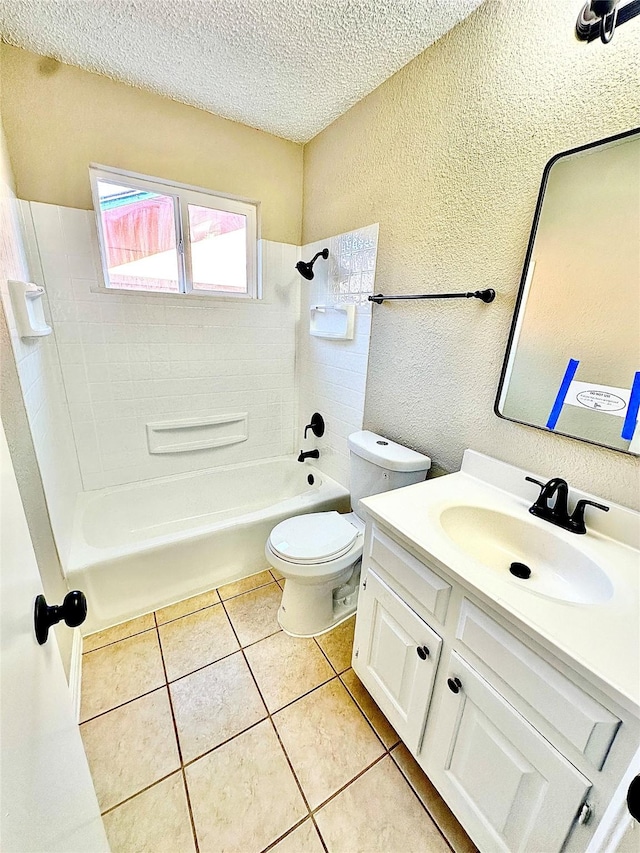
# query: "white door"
{"type": "Point", "coordinates": [510, 788]}
{"type": "Point", "coordinates": [395, 656]}
{"type": "Point", "coordinates": [48, 803]}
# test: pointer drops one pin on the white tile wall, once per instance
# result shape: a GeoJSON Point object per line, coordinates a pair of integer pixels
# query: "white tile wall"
{"type": "Point", "coordinates": [331, 375]}
{"type": "Point", "coordinates": [134, 358]}
{"type": "Point", "coordinates": [42, 388]}
{"type": "Point", "coordinates": [127, 359]}
{"type": "Point", "coordinates": [352, 265]}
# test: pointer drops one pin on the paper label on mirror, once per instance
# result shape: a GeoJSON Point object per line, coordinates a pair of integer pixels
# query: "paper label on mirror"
{"type": "Point", "coordinates": [599, 398]}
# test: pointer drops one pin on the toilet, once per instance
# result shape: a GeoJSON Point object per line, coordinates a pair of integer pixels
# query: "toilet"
{"type": "Point", "coordinates": [320, 554]}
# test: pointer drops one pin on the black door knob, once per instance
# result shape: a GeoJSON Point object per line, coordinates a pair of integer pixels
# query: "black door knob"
{"type": "Point", "coordinates": [454, 684]}
{"type": "Point", "coordinates": [423, 652]}
{"type": "Point", "coordinates": [73, 610]}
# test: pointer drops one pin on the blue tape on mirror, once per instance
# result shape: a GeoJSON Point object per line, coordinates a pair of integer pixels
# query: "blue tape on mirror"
{"type": "Point", "coordinates": [631, 418]}
{"type": "Point", "coordinates": [567, 379]}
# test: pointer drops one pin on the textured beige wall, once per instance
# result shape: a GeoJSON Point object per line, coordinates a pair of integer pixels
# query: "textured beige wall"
{"type": "Point", "coordinates": [58, 119]}
{"type": "Point", "coordinates": [447, 156]}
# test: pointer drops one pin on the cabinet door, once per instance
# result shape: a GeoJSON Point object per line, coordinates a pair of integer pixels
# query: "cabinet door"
{"type": "Point", "coordinates": [510, 788]}
{"type": "Point", "coordinates": [395, 656]}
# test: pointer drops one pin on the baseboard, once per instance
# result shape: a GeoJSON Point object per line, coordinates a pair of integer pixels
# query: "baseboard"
{"type": "Point", "coordinates": [75, 672]}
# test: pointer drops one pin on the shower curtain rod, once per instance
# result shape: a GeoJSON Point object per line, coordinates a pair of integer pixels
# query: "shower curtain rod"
{"type": "Point", "coordinates": [486, 296]}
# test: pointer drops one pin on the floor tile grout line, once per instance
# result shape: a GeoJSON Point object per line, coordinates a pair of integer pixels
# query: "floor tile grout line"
{"type": "Point", "coordinates": [244, 592]}
{"type": "Point", "coordinates": [268, 715]}
{"type": "Point", "coordinates": [364, 714]}
{"type": "Point", "coordinates": [207, 606]}
{"type": "Point", "coordinates": [367, 720]}
{"type": "Point", "coordinates": [337, 675]}
{"type": "Point", "coordinates": [286, 754]}
{"type": "Point", "coordinates": [177, 737]}
{"type": "Point", "coordinates": [204, 666]}
{"type": "Point", "coordinates": [288, 760]}
{"type": "Point", "coordinates": [422, 803]}
{"type": "Point", "coordinates": [328, 659]}
{"type": "Point", "coordinates": [334, 677]}
{"type": "Point", "coordinates": [139, 695]}
{"type": "Point", "coordinates": [224, 742]}
{"type": "Point", "coordinates": [320, 836]}
{"type": "Point", "coordinates": [286, 834]}
{"type": "Point", "coordinates": [360, 773]}
{"type": "Point", "coordinates": [183, 615]}
{"type": "Point", "coordinates": [113, 642]}
{"type": "Point", "coordinates": [160, 686]}
{"type": "Point", "coordinates": [215, 589]}
{"type": "Point", "coordinates": [255, 642]}
{"type": "Point", "coordinates": [190, 810]}
{"type": "Point", "coordinates": [225, 657]}
{"type": "Point", "coordinates": [157, 624]}
{"type": "Point", "coordinates": [122, 704]}
{"type": "Point", "coordinates": [313, 689]}
{"type": "Point", "coordinates": [141, 791]}
{"type": "Point", "coordinates": [273, 725]}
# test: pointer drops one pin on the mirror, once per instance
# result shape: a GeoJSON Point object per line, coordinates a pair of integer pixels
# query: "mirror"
{"type": "Point", "coordinates": [572, 364]}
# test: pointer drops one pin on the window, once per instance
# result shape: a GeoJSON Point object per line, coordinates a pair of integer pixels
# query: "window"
{"type": "Point", "coordinates": [160, 237]}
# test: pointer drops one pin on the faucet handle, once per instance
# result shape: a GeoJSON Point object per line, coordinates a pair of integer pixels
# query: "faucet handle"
{"type": "Point", "coordinates": [539, 505]}
{"type": "Point", "coordinates": [316, 425]}
{"type": "Point", "coordinates": [537, 482]}
{"type": "Point", "coordinates": [577, 518]}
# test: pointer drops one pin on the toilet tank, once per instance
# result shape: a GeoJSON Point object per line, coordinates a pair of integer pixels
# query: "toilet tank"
{"type": "Point", "coordinates": [379, 465]}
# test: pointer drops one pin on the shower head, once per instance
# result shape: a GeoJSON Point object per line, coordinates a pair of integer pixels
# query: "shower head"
{"type": "Point", "coordinates": [305, 268]}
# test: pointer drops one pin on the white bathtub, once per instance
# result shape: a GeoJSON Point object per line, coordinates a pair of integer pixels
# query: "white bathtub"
{"type": "Point", "coordinates": [144, 545]}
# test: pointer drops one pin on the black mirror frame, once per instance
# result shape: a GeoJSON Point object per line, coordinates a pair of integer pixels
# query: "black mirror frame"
{"type": "Point", "coordinates": [516, 310]}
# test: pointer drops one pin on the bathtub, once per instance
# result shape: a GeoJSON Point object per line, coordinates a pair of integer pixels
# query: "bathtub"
{"type": "Point", "coordinates": [144, 545]}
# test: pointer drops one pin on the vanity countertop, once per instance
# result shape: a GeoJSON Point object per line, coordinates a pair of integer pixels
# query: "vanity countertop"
{"type": "Point", "coordinates": [602, 638]}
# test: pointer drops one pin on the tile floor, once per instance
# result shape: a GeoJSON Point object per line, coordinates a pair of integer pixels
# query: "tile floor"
{"type": "Point", "coordinates": [208, 729]}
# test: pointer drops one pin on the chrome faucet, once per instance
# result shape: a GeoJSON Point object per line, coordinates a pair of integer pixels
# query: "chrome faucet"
{"type": "Point", "coordinates": [558, 512]}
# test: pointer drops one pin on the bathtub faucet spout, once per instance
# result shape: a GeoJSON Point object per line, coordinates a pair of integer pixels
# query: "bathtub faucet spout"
{"type": "Point", "coordinates": [309, 454]}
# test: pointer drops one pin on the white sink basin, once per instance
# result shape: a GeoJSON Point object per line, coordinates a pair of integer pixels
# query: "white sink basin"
{"type": "Point", "coordinates": [558, 569]}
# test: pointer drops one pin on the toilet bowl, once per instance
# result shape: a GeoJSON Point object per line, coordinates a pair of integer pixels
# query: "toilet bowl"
{"type": "Point", "coordinates": [320, 554]}
{"type": "Point", "coordinates": [317, 554]}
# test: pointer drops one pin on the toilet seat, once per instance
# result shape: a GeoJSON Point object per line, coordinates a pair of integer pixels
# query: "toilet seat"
{"type": "Point", "coordinates": [319, 537]}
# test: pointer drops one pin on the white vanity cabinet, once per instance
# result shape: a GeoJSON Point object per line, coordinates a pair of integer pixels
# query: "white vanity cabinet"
{"type": "Point", "coordinates": [525, 754]}
{"type": "Point", "coordinates": [487, 760]}
{"type": "Point", "coordinates": [395, 656]}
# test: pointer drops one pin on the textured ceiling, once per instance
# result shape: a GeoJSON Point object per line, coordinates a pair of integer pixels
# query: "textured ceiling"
{"type": "Point", "coordinates": [289, 67]}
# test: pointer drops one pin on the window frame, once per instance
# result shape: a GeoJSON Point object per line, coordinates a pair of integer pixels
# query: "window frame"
{"type": "Point", "coordinates": [183, 195]}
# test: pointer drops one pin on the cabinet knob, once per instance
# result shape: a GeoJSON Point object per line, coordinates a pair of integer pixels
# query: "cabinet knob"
{"type": "Point", "coordinates": [423, 652]}
{"type": "Point", "coordinates": [454, 684]}
{"type": "Point", "coordinates": [633, 798]}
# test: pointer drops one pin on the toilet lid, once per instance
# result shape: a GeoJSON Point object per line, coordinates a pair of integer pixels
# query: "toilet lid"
{"type": "Point", "coordinates": [319, 536]}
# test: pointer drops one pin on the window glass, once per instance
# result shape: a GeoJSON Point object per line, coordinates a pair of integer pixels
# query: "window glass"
{"type": "Point", "coordinates": [139, 238]}
{"type": "Point", "coordinates": [160, 236]}
{"type": "Point", "coordinates": [218, 242]}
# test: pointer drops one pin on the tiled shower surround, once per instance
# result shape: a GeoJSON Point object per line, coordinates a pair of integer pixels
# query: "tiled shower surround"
{"type": "Point", "coordinates": [131, 359]}
{"type": "Point", "coordinates": [42, 387]}
{"type": "Point", "coordinates": [332, 374]}
{"type": "Point", "coordinates": [206, 725]}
